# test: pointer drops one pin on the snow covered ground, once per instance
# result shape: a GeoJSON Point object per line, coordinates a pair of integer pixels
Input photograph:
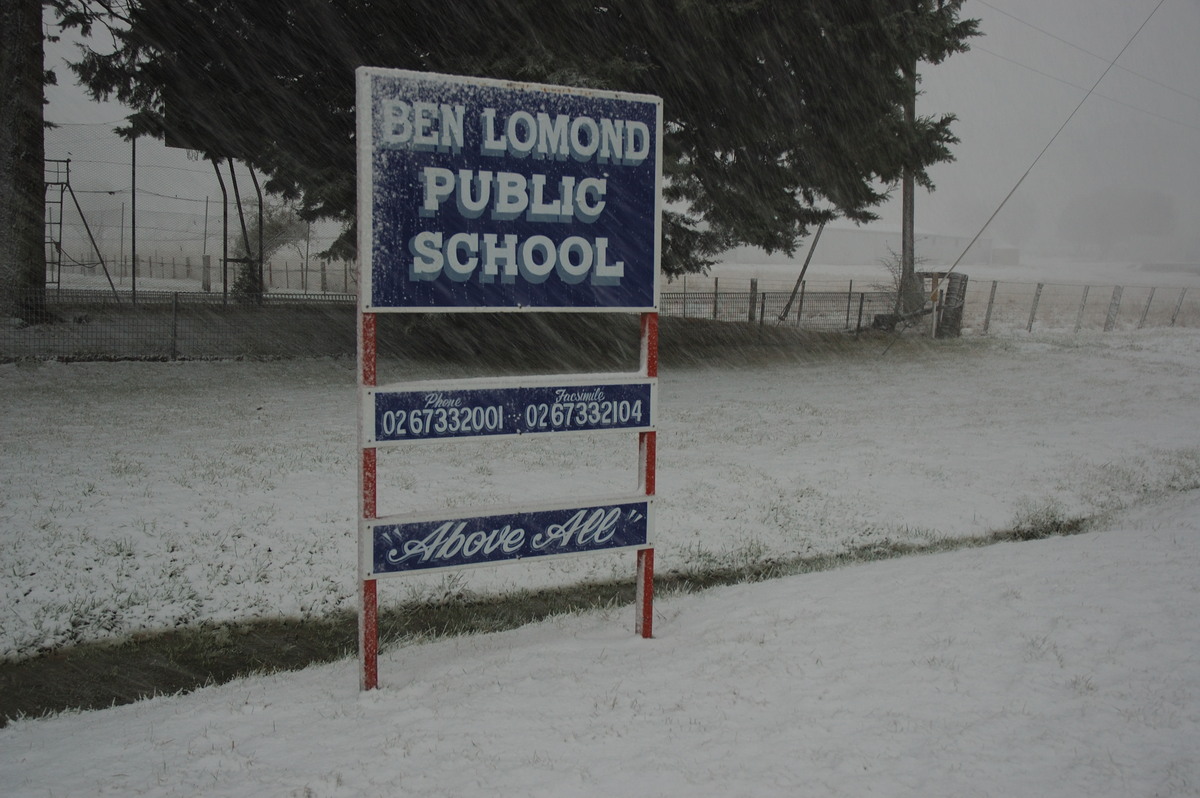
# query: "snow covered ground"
{"type": "Point", "coordinates": [139, 495]}
{"type": "Point", "coordinates": [145, 495]}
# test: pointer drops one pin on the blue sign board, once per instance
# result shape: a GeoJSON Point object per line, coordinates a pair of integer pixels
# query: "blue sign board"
{"type": "Point", "coordinates": [443, 412]}
{"type": "Point", "coordinates": [488, 195]}
{"type": "Point", "coordinates": [490, 539]}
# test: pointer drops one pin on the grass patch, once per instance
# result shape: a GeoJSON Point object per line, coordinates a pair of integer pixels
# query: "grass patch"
{"type": "Point", "coordinates": [1042, 520]}
{"type": "Point", "coordinates": [100, 675]}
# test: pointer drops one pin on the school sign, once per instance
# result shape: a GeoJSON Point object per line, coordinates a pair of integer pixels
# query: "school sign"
{"type": "Point", "coordinates": [491, 196]}
{"type": "Point", "coordinates": [484, 196]}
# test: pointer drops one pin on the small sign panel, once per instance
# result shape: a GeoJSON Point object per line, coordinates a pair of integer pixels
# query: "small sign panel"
{"type": "Point", "coordinates": [443, 412]}
{"type": "Point", "coordinates": [405, 547]}
{"type": "Point", "coordinates": [489, 195]}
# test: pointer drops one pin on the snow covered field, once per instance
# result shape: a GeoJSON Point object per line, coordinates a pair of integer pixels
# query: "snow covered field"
{"type": "Point", "coordinates": [146, 495]}
{"type": "Point", "coordinates": [141, 495]}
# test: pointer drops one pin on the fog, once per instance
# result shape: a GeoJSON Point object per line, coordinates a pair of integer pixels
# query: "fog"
{"type": "Point", "coordinates": [1121, 182]}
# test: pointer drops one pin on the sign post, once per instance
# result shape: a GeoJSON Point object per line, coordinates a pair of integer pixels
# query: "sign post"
{"type": "Point", "coordinates": [479, 195]}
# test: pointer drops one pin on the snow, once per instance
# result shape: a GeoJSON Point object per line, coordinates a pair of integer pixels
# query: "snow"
{"type": "Point", "coordinates": [167, 493]}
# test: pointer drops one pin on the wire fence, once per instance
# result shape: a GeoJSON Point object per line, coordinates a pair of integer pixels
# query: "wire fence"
{"type": "Point", "coordinates": [116, 323]}
{"type": "Point", "coordinates": [167, 209]}
{"type": "Point", "coordinates": [101, 325]}
{"type": "Point", "coordinates": [144, 265]}
{"type": "Point", "coordinates": [205, 275]}
{"type": "Point", "coordinates": [827, 309]}
{"type": "Point", "coordinates": [996, 306]}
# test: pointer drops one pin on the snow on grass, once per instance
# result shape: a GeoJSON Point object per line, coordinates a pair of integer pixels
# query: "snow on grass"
{"type": "Point", "coordinates": [148, 495]}
{"type": "Point", "coordinates": [143, 495]}
{"type": "Point", "coordinates": [1059, 667]}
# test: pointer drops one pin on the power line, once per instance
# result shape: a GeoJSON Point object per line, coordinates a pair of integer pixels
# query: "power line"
{"type": "Point", "coordinates": [144, 192]}
{"type": "Point", "coordinates": [1083, 50]}
{"type": "Point", "coordinates": [177, 197]}
{"type": "Point", "coordinates": [143, 166]}
{"type": "Point", "coordinates": [1062, 127]}
{"type": "Point", "coordinates": [1082, 88]}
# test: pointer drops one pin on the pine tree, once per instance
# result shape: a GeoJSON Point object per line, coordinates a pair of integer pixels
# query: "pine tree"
{"type": "Point", "coordinates": [780, 114]}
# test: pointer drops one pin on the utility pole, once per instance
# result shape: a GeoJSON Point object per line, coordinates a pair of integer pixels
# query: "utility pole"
{"type": "Point", "coordinates": [908, 299]}
{"type": "Point", "coordinates": [908, 250]}
{"type": "Point", "coordinates": [133, 218]}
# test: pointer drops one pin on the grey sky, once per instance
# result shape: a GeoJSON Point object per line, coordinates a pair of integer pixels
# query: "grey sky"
{"type": "Point", "coordinates": [1135, 139]}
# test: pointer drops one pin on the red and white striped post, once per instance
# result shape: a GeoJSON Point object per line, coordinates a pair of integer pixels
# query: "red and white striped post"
{"type": "Point", "coordinates": [648, 455]}
{"type": "Point", "coordinates": [368, 615]}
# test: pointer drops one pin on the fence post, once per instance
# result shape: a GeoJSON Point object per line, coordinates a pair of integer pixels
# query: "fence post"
{"type": "Point", "coordinates": [206, 273]}
{"type": "Point", "coordinates": [862, 298]}
{"type": "Point", "coordinates": [1114, 307]}
{"type": "Point", "coordinates": [762, 309]}
{"type": "Point", "coordinates": [753, 297]}
{"type": "Point", "coordinates": [175, 326]}
{"type": "Point", "coordinates": [987, 317]}
{"type": "Point", "coordinates": [324, 279]}
{"type": "Point", "coordinates": [849, 299]}
{"type": "Point", "coordinates": [1037, 296]}
{"type": "Point", "coordinates": [1178, 305]}
{"type": "Point", "coordinates": [1146, 310]}
{"type": "Point", "coordinates": [1082, 305]}
{"type": "Point", "coordinates": [716, 295]}
{"type": "Point", "coordinates": [953, 303]}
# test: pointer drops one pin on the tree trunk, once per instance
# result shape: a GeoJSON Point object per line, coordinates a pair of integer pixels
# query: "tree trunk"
{"type": "Point", "coordinates": [22, 155]}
